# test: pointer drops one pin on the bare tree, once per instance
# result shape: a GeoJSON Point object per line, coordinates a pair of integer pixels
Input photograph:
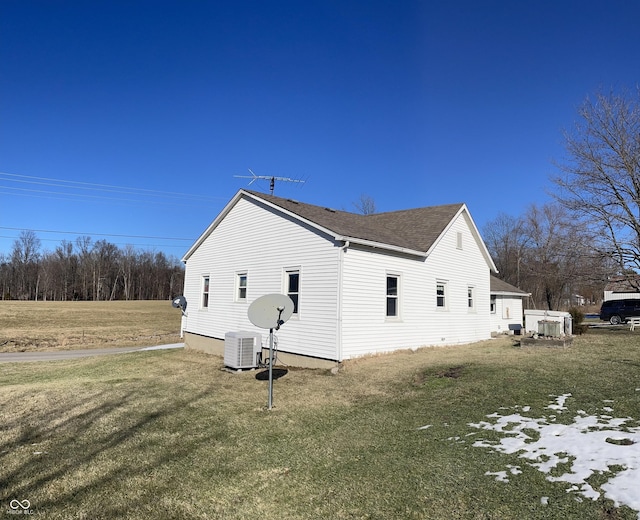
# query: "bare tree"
{"type": "Point", "coordinates": [365, 205]}
{"type": "Point", "coordinates": [600, 179]}
{"type": "Point", "coordinates": [547, 254]}
{"type": "Point", "coordinates": [506, 240]}
{"type": "Point", "coordinates": [25, 255]}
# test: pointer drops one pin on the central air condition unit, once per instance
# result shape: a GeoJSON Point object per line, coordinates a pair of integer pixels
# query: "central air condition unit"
{"type": "Point", "coordinates": [242, 349]}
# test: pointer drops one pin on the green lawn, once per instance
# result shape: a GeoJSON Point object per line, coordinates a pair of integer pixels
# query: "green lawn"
{"type": "Point", "coordinates": [169, 434]}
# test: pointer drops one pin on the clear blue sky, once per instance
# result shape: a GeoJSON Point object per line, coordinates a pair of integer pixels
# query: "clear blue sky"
{"type": "Point", "coordinates": [110, 109]}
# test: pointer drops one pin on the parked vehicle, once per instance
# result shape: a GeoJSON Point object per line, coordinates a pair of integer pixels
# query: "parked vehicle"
{"type": "Point", "coordinates": [619, 311]}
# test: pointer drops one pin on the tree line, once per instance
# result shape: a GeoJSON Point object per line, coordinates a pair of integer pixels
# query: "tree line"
{"type": "Point", "coordinates": [87, 270]}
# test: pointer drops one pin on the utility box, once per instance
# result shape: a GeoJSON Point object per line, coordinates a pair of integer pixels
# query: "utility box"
{"type": "Point", "coordinates": [242, 349]}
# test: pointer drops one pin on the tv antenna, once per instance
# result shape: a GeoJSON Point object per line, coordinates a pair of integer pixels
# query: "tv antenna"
{"type": "Point", "coordinates": [270, 312]}
{"type": "Point", "coordinates": [272, 179]}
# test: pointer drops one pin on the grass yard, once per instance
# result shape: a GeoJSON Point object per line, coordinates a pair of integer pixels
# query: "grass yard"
{"type": "Point", "coordinates": [170, 435]}
{"type": "Point", "coordinates": [32, 326]}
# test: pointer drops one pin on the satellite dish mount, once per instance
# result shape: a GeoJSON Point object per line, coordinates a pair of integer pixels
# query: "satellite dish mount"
{"type": "Point", "coordinates": [270, 311]}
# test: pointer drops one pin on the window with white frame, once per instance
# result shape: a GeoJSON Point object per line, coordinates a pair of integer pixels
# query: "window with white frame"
{"type": "Point", "coordinates": [292, 281]}
{"type": "Point", "coordinates": [393, 294]}
{"type": "Point", "coordinates": [241, 287]}
{"type": "Point", "coordinates": [459, 240]}
{"type": "Point", "coordinates": [441, 295]}
{"type": "Point", "coordinates": [493, 304]}
{"type": "Point", "coordinates": [205, 292]}
{"type": "Point", "coordinates": [471, 301]}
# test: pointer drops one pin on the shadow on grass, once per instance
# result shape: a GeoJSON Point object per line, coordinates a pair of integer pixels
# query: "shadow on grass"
{"type": "Point", "coordinates": [99, 452]}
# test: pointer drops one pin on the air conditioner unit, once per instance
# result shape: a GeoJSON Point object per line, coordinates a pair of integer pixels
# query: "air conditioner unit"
{"type": "Point", "coordinates": [242, 349]}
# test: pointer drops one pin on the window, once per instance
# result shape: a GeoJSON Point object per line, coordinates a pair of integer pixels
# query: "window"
{"type": "Point", "coordinates": [392, 296]}
{"type": "Point", "coordinates": [205, 292]}
{"type": "Point", "coordinates": [293, 288]}
{"type": "Point", "coordinates": [470, 299]}
{"type": "Point", "coordinates": [441, 295]}
{"type": "Point", "coordinates": [241, 287]}
{"type": "Point", "coordinates": [459, 240]}
{"type": "Point", "coordinates": [493, 304]}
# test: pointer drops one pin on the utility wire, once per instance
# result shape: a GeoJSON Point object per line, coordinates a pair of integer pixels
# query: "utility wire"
{"type": "Point", "coordinates": [63, 183]}
{"type": "Point", "coordinates": [97, 234]}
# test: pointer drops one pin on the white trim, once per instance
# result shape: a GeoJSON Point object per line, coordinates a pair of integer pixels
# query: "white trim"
{"type": "Point", "coordinates": [398, 297]}
{"type": "Point", "coordinates": [445, 286]}
{"type": "Point", "coordinates": [238, 276]}
{"type": "Point", "coordinates": [286, 272]}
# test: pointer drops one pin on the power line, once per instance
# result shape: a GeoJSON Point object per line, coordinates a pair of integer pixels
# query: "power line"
{"type": "Point", "coordinates": [63, 183]}
{"type": "Point", "coordinates": [97, 234]}
{"type": "Point", "coordinates": [173, 246]}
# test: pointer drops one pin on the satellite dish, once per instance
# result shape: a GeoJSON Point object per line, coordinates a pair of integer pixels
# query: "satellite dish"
{"type": "Point", "coordinates": [180, 302]}
{"type": "Point", "coordinates": [270, 311]}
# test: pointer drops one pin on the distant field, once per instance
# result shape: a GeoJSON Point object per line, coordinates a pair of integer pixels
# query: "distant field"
{"type": "Point", "coordinates": [32, 326]}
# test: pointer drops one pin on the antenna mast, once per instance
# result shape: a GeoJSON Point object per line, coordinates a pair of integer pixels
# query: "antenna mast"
{"type": "Point", "coordinates": [272, 179]}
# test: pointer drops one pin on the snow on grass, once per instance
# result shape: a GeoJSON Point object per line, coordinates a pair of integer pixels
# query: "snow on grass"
{"type": "Point", "coordinates": [592, 444]}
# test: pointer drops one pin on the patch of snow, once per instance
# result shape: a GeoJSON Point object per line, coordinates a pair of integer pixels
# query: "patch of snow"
{"type": "Point", "coordinates": [424, 427]}
{"type": "Point", "coordinates": [585, 446]}
{"type": "Point", "coordinates": [544, 501]}
{"type": "Point", "coordinates": [560, 400]}
{"type": "Point", "coordinates": [501, 476]}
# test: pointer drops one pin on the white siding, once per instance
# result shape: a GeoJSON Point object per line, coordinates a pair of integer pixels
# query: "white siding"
{"type": "Point", "coordinates": [508, 312]}
{"type": "Point", "coordinates": [611, 295]}
{"type": "Point", "coordinates": [365, 328]}
{"type": "Point", "coordinates": [254, 239]}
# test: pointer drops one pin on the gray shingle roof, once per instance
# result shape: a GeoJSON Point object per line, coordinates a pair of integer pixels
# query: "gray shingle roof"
{"type": "Point", "coordinates": [415, 229]}
{"type": "Point", "coordinates": [497, 285]}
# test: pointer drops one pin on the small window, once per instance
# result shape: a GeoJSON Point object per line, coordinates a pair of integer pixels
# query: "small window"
{"type": "Point", "coordinates": [293, 288]}
{"type": "Point", "coordinates": [241, 289]}
{"type": "Point", "coordinates": [441, 295]}
{"type": "Point", "coordinates": [471, 302]}
{"type": "Point", "coordinates": [459, 240]}
{"type": "Point", "coordinates": [392, 296]}
{"type": "Point", "coordinates": [205, 292]}
{"type": "Point", "coordinates": [493, 305]}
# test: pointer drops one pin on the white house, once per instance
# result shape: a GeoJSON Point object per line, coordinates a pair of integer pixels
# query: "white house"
{"type": "Point", "coordinates": [506, 307]}
{"type": "Point", "coordinates": [621, 287]}
{"type": "Point", "coordinates": [362, 284]}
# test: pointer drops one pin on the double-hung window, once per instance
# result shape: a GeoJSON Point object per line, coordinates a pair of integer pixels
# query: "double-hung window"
{"type": "Point", "coordinates": [393, 293]}
{"type": "Point", "coordinates": [241, 287]}
{"type": "Point", "coordinates": [471, 301]}
{"type": "Point", "coordinates": [205, 292]}
{"type": "Point", "coordinates": [292, 282]}
{"type": "Point", "coordinates": [441, 295]}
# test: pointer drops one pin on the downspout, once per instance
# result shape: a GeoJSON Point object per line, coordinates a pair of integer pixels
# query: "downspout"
{"type": "Point", "coordinates": [341, 253]}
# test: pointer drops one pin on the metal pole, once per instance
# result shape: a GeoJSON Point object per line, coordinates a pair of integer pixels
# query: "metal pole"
{"type": "Point", "coordinates": [270, 402]}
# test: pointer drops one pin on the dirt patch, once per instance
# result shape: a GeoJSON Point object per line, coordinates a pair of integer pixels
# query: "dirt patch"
{"type": "Point", "coordinates": [453, 372]}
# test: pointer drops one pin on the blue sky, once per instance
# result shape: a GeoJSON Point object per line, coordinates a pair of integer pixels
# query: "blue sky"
{"type": "Point", "coordinates": [127, 120]}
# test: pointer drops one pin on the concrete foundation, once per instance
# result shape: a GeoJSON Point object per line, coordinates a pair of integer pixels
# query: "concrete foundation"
{"type": "Point", "coordinates": [215, 347]}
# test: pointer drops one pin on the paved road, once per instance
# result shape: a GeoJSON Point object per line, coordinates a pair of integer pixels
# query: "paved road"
{"type": "Point", "coordinates": [53, 355]}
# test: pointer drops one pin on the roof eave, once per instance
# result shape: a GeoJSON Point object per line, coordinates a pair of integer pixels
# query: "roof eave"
{"type": "Point", "coordinates": [510, 293]}
{"type": "Point", "coordinates": [380, 245]}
